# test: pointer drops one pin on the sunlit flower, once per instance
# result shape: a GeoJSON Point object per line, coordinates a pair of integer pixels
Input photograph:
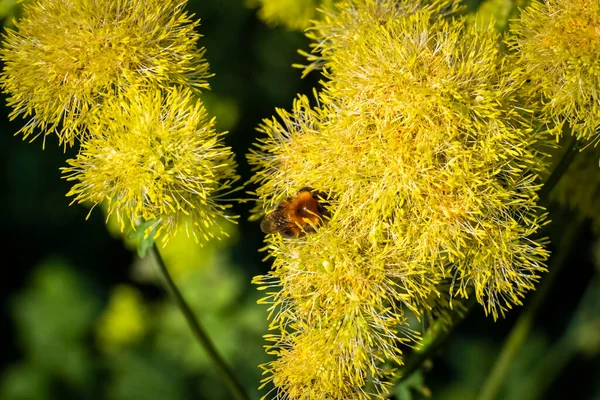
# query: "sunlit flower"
{"type": "Point", "coordinates": [324, 363]}
{"type": "Point", "coordinates": [431, 171]}
{"type": "Point", "coordinates": [155, 156]}
{"type": "Point", "coordinates": [557, 45]}
{"type": "Point", "coordinates": [65, 57]}
{"type": "Point", "coordinates": [339, 312]}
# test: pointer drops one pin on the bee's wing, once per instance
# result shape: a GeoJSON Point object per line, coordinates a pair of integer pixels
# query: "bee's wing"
{"type": "Point", "coordinates": [274, 222]}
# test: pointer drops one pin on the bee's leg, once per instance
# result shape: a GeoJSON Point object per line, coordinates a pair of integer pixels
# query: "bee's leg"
{"type": "Point", "coordinates": [322, 202]}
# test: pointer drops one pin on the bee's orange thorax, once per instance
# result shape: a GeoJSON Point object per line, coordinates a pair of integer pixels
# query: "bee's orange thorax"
{"type": "Point", "coordinates": [295, 216]}
{"type": "Point", "coordinates": [300, 210]}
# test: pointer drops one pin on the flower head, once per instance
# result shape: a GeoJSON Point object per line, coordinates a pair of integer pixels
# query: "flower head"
{"type": "Point", "coordinates": [65, 57]}
{"type": "Point", "coordinates": [156, 156]}
{"type": "Point", "coordinates": [432, 171]}
{"type": "Point", "coordinates": [339, 312]}
{"type": "Point", "coordinates": [557, 44]}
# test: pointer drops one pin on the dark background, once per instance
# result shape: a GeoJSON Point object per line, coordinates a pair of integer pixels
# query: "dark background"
{"type": "Point", "coordinates": [61, 271]}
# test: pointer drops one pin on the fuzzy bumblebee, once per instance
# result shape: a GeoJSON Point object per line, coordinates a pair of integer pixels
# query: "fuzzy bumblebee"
{"type": "Point", "coordinates": [297, 215]}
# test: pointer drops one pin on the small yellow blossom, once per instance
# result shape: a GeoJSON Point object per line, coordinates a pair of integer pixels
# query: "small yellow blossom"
{"type": "Point", "coordinates": [431, 168]}
{"type": "Point", "coordinates": [65, 57]}
{"type": "Point", "coordinates": [124, 320]}
{"type": "Point", "coordinates": [294, 14]}
{"type": "Point", "coordinates": [155, 155]}
{"type": "Point", "coordinates": [557, 45]}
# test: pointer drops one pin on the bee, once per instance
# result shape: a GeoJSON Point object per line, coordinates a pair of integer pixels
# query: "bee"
{"type": "Point", "coordinates": [297, 215]}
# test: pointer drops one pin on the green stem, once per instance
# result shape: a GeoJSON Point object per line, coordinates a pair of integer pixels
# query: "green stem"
{"type": "Point", "coordinates": [549, 367]}
{"type": "Point", "coordinates": [559, 170]}
{"type": "Point", "coordinates": [434, 339]}
{"type": "Point", "coordinates": [521, 329]}
{"type": "Point", "coordinates": [234, 385]}
{"type": "Point", "coordinates": [562, 352]}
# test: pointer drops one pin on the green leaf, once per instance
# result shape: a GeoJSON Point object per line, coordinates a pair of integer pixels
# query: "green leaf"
{"type": "Point", "coordinates": [414, 383]}
{"type": "Point", "coordinates": [144, 376]}
{"type": "Point", "coordinates": [144, 234]}
{"type": "Point", "coordinates": [24, 382]}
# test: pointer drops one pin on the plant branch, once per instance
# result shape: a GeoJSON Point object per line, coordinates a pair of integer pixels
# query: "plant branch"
{"type": "Point", "coordinates": [197, 329]}
{"type": "Point", "coordinates": [522, 327]}
{"type": "Point", "coordinates": [558, 171]}
{"type": "Point", "coordinates": [568, 346]}
{"type": "Point", "coordinates": [434, 339]}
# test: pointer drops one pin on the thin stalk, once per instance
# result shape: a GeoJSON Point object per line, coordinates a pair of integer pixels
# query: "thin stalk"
{"type": "Point", "coordinates": [559, 170]}
{"type": "Point", "coordinates": [522, 327]}
{"type": "Point", "coordinates": [564, 350]}
{"type": "Point", "coordinates": [433, 341]}
{"type": "Point", "coordinates": [200, 334]}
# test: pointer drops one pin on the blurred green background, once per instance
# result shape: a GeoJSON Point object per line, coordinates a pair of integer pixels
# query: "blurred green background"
{"type": "Point", "coordinates": [82, 317]}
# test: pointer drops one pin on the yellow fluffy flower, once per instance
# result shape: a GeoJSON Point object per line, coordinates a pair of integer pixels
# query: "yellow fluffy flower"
{"type": "Point", "coordinates": [155, 155]}
{"type": "Point", "coordinates": [431, 172]}
{"type": "Point", "coordinates": [339, 313]}
{"type": "Point", "coordinates": [65, 57]}
{"type": "Point", "coordinates": [557, 44]}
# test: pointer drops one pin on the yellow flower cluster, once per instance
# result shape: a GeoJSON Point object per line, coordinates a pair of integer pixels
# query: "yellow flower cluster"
{"type": "Point", "coordinates": [154, 155]}
{"type": "Point", "coordinates": [556, 43]}
{"type": "Point", "coordinates": [431, 171]}
{"type": "Point", "coordinates": [121, 77]}
{"type": "Point", "coordinates": [64, 58]}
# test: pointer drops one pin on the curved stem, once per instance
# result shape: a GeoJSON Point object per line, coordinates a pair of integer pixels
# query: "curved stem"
{"type": "Point", "coordinates": [559, 170]}
{"type": "Point", "coordinates": [522, 327]}
{"type": "Point", "coordinates": [434, 339]}
{"type": "Point", "coordinates": [557, 357]}
{"type": "Point", "coordinates": [234, 385]}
